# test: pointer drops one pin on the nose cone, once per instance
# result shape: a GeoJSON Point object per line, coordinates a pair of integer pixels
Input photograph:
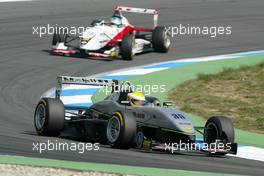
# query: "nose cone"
{"type": "Point", "coordinates": [89, 39]}
{"type": "Point", "coordinates": [179, 121]}
{"type": "Point", "coordinates": [97, 37]}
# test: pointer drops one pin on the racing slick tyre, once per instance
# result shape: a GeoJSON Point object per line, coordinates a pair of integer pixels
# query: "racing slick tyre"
{"type": "Point", "coordinates": [161, 40]}
{"type": "Point", "coordinates": [49, 117]}
{"type": "Point", "coordinates": [127, 46]}
{"type": "Point", "coordinates": [219, 128]}
{"type": "Point", "coordinates": [121, 130]}
{"type": "Point", "coordinates": [59, 37]}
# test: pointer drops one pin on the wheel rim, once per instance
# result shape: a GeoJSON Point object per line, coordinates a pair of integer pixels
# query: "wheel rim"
{"type": "Point", "coordinates": [167, 41]}
{"type": "Point", "coordinates": [139, 139]}
{"type": "Point", "coordinates": [113, 129]}
{"type": "Point", "coordinates": [40, 116]}
{"type": "Point", "coordinates": [133, 49]}
{"type": "Point", "coordinates": [213, 133]}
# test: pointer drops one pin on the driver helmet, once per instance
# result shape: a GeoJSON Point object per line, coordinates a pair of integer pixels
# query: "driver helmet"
{"type": "Point", "coordinates": [136, 98]}
{"type": "Point", "coordinates": [116, 20]}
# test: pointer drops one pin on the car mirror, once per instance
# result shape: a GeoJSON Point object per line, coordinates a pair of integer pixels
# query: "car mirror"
{"type": "Point", "coordinates": [167, 103]}
{"type": "Point", "coordinates": [125, 102]}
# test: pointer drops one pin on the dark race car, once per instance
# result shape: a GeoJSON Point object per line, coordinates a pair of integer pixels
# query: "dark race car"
{"type": "Point", "coordinates": [151, 125]}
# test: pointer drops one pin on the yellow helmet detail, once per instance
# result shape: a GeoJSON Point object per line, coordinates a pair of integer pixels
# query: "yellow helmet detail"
{"type": "Point", "coordinates": [136, 98]}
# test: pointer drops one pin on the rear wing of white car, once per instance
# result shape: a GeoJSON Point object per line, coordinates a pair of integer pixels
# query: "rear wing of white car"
{"type": "Point", "coordinates": [153, 12]}
{"type": "Point", "coordinates": [61, 80]}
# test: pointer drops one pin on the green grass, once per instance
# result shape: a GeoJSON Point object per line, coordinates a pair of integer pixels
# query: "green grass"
{"type": "Point", "coordinates": [177, 76]}
{"type": "Point", "coordinates": [236, 93]}
{"type": "Point", "coordinates": [103, 168]}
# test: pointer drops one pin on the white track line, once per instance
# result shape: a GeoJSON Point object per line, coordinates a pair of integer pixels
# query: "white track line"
{"type": "Point", "coordinates": [69, 87]}
{"type": "Point", "coordinates": [76, 99]}
{"type": "Point", "coordinates": [15, 0]}
{"type": "Point", "coordinates": [137, 71]}
{"type": "Point", "coordinates": [249, 152]}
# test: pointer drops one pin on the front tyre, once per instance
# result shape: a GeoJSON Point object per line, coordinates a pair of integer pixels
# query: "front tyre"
{"type": "Point", "coordinates": [59, 37]}
{"type": "Point", "coordinates": [161, 39]}
{"type": "Point", "coordinates": [121, 130]}
{"type": "Point", "coordinates": [219, 128]}
{"type": "Point", "coordinates": [49, 117]}
{"type": "Point", "coordinates": [127, 46]}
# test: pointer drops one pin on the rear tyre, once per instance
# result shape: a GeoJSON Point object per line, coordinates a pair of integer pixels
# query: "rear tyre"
{"type": "Point", "coordinates": [161, 40]}
{"type": "Point", "coordinates": [127, 46]}
{"type": "Point", "coordinates": [59, 37]}
{"type": "Point", "coordinates": [49, 117]}
{"type": "Point", "coordinates": [219, 128]}
{"type": "Point", "coordinates": [121, 130]}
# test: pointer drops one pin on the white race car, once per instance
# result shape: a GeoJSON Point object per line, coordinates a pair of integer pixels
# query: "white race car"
{"type": "Point", "coordinates": [117, 38]}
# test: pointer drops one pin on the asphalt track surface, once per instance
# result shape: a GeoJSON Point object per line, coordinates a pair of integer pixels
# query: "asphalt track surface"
{"type": "Point", "coordinates": [27, 70]}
